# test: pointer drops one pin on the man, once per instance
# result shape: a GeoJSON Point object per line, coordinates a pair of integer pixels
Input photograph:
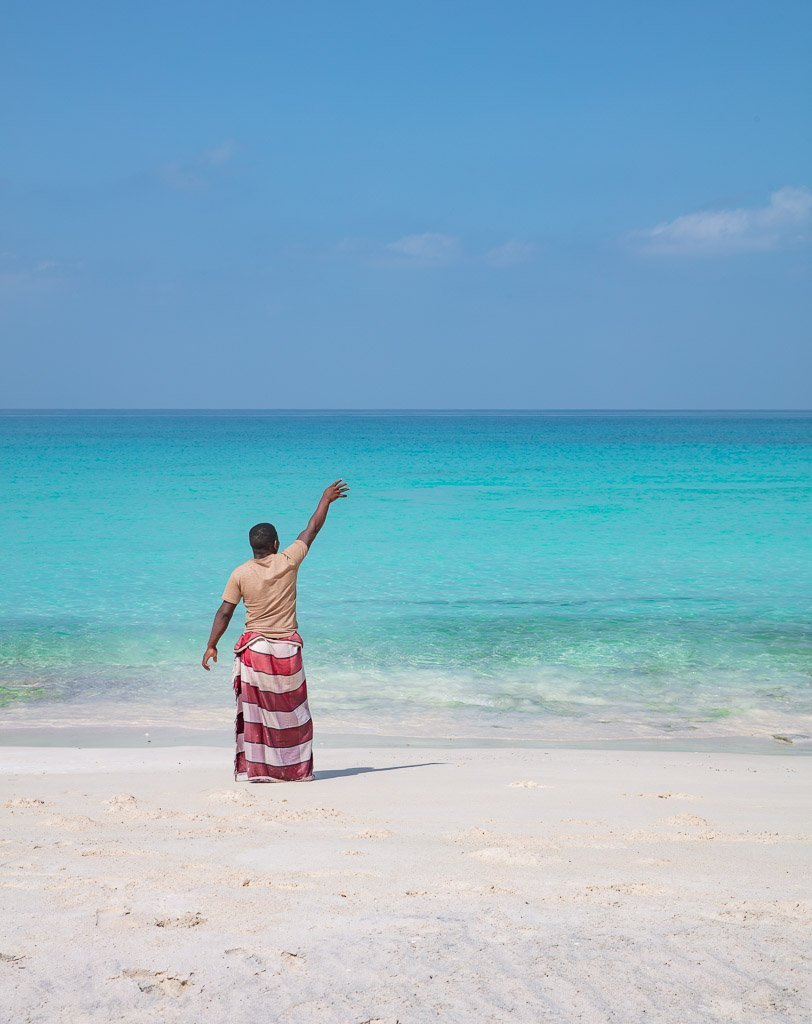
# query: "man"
{"type": "Point", "coordinates": [274, 732]}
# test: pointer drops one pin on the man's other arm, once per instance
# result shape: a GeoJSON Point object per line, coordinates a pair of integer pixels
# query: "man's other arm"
{"type": "Point", "coordinates": [335, 491]}
{"type": "Point", "coordinates": [222, 618]}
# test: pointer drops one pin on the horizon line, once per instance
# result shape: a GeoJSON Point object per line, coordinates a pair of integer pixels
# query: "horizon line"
{"type": "Point", "coordinates": [402, 409]}
{"type": "Point", "coordinates": [55, 412]}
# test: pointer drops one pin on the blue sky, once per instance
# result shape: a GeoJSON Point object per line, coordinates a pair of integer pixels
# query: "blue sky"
{"type": "Point", "coordinates": [406, 205]}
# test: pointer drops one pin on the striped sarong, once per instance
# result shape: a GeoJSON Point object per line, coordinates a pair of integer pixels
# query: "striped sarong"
{"type": "Point", "coordinates": [273, 731]}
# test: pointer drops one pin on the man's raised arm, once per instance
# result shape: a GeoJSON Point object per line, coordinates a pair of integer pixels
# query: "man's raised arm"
{"type": "Point", "coordinates": [337, 490]}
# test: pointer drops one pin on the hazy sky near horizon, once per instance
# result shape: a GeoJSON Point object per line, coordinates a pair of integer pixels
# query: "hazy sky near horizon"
{"type": "Point", "coordinates": [415, 205]}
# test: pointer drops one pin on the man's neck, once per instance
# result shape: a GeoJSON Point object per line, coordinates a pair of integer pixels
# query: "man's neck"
{"type": "Point", "coordinates": [264, 554]}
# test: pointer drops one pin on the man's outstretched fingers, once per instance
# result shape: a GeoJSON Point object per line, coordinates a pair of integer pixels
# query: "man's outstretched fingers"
{"type": "Point", "coordinates": [338, 489]}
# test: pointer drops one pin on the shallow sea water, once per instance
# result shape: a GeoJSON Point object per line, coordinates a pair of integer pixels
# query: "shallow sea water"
{"type": "Point", "coordinates": [560, 575]}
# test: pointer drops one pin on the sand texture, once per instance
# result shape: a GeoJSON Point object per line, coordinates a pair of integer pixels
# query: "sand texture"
{"type": "Point", "coordinates": [405, 884]}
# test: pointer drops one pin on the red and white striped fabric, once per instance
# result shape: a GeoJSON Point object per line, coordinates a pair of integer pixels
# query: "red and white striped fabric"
{"type": "Point", "coordinates": [274, 731]}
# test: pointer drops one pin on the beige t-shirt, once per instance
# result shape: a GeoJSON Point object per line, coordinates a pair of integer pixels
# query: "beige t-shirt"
{"type": "Point", "coordinates": [268, 588]}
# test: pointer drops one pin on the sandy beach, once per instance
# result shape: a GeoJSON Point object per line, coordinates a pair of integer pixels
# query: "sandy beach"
{"type": "Point", "coordinates": [405, 884]}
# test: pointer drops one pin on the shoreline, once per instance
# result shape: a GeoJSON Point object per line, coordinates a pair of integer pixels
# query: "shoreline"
{"type": "Point", "coordinates": [91, 737]}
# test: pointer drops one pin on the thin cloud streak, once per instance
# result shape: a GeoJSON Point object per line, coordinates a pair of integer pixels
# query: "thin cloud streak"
{"type": "Point", "coordinates": [510, 254]}
{"type": "Point", "coordinates": [195, 175]}
{"type": "Point", "coordinates": [19, 278]}
{"type": "Point", "coordinates": [219, 155]}
{"type": "Point", "coordinates": [428, 248]}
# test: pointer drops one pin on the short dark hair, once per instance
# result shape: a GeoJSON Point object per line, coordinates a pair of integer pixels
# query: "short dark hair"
{"type": "Point", "coordinates": [262, 537]}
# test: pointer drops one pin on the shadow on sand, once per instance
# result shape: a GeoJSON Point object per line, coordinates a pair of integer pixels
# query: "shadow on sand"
{"type": "Point", "coordinates": [340, 772]}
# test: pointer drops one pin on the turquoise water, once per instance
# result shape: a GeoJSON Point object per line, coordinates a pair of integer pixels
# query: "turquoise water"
{"type": "Point", "coordinates": [552, 575]}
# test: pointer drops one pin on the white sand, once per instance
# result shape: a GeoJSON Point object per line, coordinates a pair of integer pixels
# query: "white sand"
{"type": "Point", "coordinates": [466, 885]}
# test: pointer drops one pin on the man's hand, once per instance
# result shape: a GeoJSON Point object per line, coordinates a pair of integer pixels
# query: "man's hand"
{"type": "Point", "coordinates": [218, 627]}
{"type": "Point", "coordinates": [337, 490]}
{"type": "Point", "coordinates": [332, 493]}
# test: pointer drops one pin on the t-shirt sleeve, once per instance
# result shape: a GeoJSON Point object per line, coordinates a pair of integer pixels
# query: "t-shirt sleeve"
{"type": "Point", "coordinates": [296, 552]}
{"type": "Point", "coordinates": [232, 593]}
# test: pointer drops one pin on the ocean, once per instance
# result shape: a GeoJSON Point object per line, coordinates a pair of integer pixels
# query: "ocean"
{"type": "Point", "coordinates": [564, 576]}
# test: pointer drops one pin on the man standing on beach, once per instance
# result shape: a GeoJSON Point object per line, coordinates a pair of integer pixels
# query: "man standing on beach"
{"type": "Point", "coordinates": [274, 732]}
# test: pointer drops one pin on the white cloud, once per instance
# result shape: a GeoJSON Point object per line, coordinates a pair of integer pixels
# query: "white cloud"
{"type": "Point", "coordinates": [781, 222]}
{"type": "Point", "coordinates": [181, 177]}
{"type": "Point", "coordinates": [510, 254]}
{"type": "Point", "coordinates": [20, 277]}
{"type": "Point", "coordinates": [428, 248]}
{"type": "Point", "coordinates": [218, 155]}
{"type": "Point", "coordinates": [194, 175]}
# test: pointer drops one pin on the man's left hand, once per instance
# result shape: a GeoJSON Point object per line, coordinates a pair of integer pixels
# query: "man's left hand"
{"type": "Point", "coordinates": [211, 653]}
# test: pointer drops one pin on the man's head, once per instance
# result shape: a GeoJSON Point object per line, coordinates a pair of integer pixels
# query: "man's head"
{"type": "Point", "coordinates": [263, 539]}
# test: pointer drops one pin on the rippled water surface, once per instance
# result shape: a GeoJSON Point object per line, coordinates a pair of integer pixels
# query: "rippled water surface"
{"type": "Point", "coordinates": [560, 575]}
